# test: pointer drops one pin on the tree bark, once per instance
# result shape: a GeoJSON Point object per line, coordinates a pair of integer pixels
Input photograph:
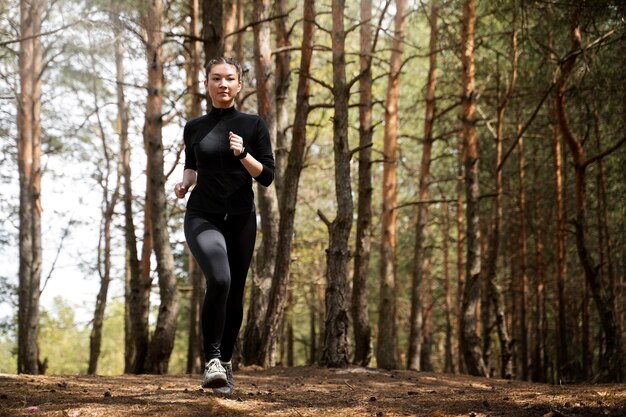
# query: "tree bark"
{"type": "Point", "coordinates": [230, 25]}
{"type": "Point", "coordinates": [495, 293]}
{"type": "Point", "coordinates": [282, 80]}
{"type": "Point", "coordinates": [289, 196]}
{"type": "Point", "coordinates": [195, 356]}
{"type": "Point", "coordinates": [212, 29]}
{"type": "Point", "coordinates": [521, 295]}
{"type": "Point", "coordinates": [268, 204]}
{"type": "Point", "coordinates": [363, 242]}
{"type": "Point", "coordinates": [470, 341]}
{"type": "Point", "coordinates": [136, 299]}
{"type": "Point", "coordinates": [611, 359]}
{"type": "Point", "coordinates": [162, 341]}
{"type": "Point", "coordinates": [386, 352]}
{"type": "Point", "coordinates": [29, 167]}
{"type": "Point", "coordinates": [419, 255]}
{"type": "Point", "coordinates": [335, 351]}
{"type": "Point", "coordinates": [540, 362]}
{"type": "Point", "coordinates": [448, 361]}
{"type": "Point", "coordinates": [562, 357]}
{"type": "Point", "coordinates": [426, 363]}
{"type": "Point", "coordinates": [212, 32]}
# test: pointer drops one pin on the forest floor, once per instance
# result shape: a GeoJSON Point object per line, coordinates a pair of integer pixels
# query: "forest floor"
{"type": "Point", "coordinates": [305, 391]}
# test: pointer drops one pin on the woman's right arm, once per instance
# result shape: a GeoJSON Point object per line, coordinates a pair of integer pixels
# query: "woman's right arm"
{"type": "Point", "coordinates": [190, 177]}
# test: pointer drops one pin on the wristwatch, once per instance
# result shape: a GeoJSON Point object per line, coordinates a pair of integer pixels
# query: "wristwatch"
{"type": "Point", "coordinates": [243, 153]}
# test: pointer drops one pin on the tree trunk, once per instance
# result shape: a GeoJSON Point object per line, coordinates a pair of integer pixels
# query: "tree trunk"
{"type": "Point", "coordinates": [29, 166]}
{"type": "Point", "coordinates": [137, 298]}
{"type": "Point", "coordinates": [195, 356]}
{"type": "Point", "coordinates": [363, 242]}
{"type": "Point", "coordinates": [335, 350]}
{"type": "Point", "coordinates": [282, 81]}
{"type": "Point", "coordinates": [230, 25]}
{"type": "Point", "coordinates": [312, 324]}
{"type": "Point", "coordinates": [419, 255]}
{"type": "Point", "coordinates": [448, 361]}
{"type": "Point", "coordinates": [212, 29]}
{"type": "Point", "coordinates": [268, 204]}
{"type": "Point", "coordinates": [426, 349]}
{"type": "Point", "coordinates": [109, 200]}
{"type": "Point", "coordinates": [522, 286]}
{"type": "Point", "coordinates": [470, 341]}
{"type": "Point", "coordinates": [540, 363]}
{"type": "Point", "coordinates": [495, 294]}
{"type": "Point", "coordinates": [280, 280]}
{"type": "Point", "coordinates": [611, 359]}
{"type": "Point", "coordinates": [562, 357]}
{"type": "Point", "coordinates": [386, 352]}
{"type": "Point", "coordinates": [162, 341]}
{"type": "Point", "coordinates": [460, 254]}
{"type": "Point", "coordinates": [212, 32]}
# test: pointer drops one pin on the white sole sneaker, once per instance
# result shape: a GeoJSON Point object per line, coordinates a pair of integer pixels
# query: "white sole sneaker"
{"type": "Point", "coordinates": [214, 375]}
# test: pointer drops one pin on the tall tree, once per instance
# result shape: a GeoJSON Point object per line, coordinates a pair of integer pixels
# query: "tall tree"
{"type": "Point", "coordinates": [195, 356]}
{"type": "Point", "coordinates": [419, 255]}
{"type": "Point", "coordinates": [29, 167]}
{"type": "Point", "coordinates": [335, 350]}
{"type": "Point", "coordinates": [491, 267]}
{"type": "Point", "coordinates": [136, 294]}
{"type": "Point", "coordinates": [110, 196]}
{"type": "Point", "coordinates": [363, 242]}
{"type": "Point", "coordinates": [560, 315]}
{"type": "Point", "coordinates": [267, 199]}
{"type": "Point", "coordinates": [469, 339]}
{"type": "Point", "coordinates": [611, 360]}
{"type": "Point", "coordinates": [162, 341]}
{"type": "Point", "coordinates": [289, 196]}
{"type": "Point", "coordinates": [522, 284]}
{"type": "Point", "coordinates": [386, 351]}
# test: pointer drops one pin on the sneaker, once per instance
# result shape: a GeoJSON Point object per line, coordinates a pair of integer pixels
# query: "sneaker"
{"type": "Point", "coordinates": [230, 385]}
{"type": "Point", "coordinates": [214, 374]}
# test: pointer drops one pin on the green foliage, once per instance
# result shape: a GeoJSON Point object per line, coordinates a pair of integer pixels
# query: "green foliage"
{"type": "Point", "coordinates": [63, 343]}
{"type": "Point", "coordinates": [111, 361]}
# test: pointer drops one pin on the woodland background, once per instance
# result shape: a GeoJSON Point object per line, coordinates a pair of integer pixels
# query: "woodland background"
{"type": "Point", "coordinates": [449, 194]}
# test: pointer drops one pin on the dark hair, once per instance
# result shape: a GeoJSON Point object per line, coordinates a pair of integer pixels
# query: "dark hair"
{"type": "Point", "coordinates": [224, 60]}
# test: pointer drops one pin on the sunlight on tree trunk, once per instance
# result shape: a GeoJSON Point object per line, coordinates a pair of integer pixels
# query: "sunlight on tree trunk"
{"type": "Point", "coordinates": [470, 341]}
{"type": "Point", "coordinates": [29, 166]}
{"type": "Point", "coordinates": [421, 234]}
{"type": "Point", "coordinates": [386, 351]}
{"type": "Point", "coordinates": [162, 341]}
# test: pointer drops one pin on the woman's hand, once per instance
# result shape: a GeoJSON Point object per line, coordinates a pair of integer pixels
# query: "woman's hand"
{"type": "Point", "coordinates": [180, 190]}
{"type": "Point", "coordinates": [189, 180]}
{"type": "Point", "coordinates": [236, 143]}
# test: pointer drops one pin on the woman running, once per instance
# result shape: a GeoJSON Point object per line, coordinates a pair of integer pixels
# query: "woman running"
{"type": "Point", "coordinates": [224, 150]}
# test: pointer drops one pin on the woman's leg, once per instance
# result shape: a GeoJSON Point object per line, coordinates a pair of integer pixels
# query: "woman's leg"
{"type": "Point", "coordinates": [208, 246]}
{"type": "Point", "coordinates": [240, 232]}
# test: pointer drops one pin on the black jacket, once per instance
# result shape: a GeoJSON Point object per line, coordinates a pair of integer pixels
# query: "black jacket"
{"type": "Point", "coordinates": [224, 186]}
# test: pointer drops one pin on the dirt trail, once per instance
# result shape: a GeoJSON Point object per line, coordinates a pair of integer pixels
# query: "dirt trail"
{"type": "Point", "coordinates": [304, 391]}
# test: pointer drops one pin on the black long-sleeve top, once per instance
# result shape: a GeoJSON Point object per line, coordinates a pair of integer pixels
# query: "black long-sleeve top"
{"type": "Point", "coordinates": [224, 186]}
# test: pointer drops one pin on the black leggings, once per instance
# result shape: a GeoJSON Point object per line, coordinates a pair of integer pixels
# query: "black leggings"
{"type": "Point", "coordinates": [223, 248]}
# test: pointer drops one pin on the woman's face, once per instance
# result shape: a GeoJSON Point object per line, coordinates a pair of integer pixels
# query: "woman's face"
{"type": "Point", "coordinates": [222, 85]}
